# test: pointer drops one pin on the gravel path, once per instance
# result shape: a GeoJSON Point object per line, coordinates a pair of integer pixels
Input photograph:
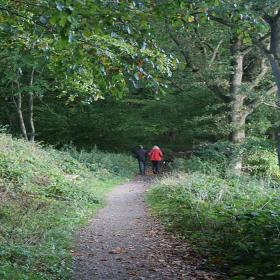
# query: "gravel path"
{"type": "Point", "coordinates": [125, 242]}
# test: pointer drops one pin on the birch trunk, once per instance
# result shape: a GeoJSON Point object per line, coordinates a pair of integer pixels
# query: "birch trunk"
{"type": "Point", "coordinates": [31, 110]}
{"type": "Point", "coordinates": [238, 112]}
{"type": "Point", "coordinates": [20, 115]}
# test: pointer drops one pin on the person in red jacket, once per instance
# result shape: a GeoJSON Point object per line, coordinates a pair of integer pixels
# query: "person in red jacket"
{"type": "Point", "coordinates": [155, 156]}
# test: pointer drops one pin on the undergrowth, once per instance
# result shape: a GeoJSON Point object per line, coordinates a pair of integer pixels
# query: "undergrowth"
{"type": "Point", "coordinates": [233, 220]}
{"type": "Point", "coordinates": [45, 195]}
{"type": "Point", "coordinates": [259, 159]}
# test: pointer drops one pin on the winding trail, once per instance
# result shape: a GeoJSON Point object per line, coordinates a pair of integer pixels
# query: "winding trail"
{"type": "Point", "coordinates": [125, 242]}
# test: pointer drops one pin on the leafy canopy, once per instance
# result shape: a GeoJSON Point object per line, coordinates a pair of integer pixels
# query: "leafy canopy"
{"type": "Point", "coordinates": [96, 47]}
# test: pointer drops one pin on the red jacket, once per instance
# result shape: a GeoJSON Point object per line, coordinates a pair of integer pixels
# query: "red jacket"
{"type": "Point", "coordinates": [155, 154]}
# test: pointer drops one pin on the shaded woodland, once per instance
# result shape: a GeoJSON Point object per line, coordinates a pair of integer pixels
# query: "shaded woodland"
{"type": "Point", "coordinates": [198, 78]}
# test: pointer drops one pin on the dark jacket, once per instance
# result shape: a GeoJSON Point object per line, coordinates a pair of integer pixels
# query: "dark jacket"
{"type": "Point", "coordinates": [141, 154]}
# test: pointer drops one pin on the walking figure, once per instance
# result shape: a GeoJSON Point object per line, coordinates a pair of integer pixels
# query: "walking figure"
{"type": "Point", "coordinates": [141, 155]}
{"type": "Point", "coordinates": [155, 156]}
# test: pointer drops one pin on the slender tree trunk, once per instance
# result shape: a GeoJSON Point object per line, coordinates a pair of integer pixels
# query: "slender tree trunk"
{"type": "Point", "coordinates": [31, 120]}
{"type": "Point", "coordinates": [274, 59]}
{"type": "Point", "coordinates": [31, 107]}
{"type": "Point", "coordinates": [20, 115]}
{"type": "Point", "coordinates": [238, 112]}
{"type": "Point", "coordinates": [276, 72]}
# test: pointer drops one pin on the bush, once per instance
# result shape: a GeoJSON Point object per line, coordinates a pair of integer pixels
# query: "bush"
{"type": "Point", "coordinates": [234, 221]}
{"type": "Point", "coordinates": [212, 159]}
{"type": "Point", "coordinates": [196, 164]}
{"type": "Point", "coordinates": [260, 159]}
{"type": "Point", "coordinates": [106, 165]}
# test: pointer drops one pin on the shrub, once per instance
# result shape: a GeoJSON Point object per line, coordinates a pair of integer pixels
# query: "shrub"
{"type": "Point", "coordinates": [196, 164]}
{"type": "Point", "coordinates": [260, 159]}
{"type": "Point", "coordinates": [105, 165]}
{"type": "Point", "coordinates": [234, 221]}
{"type": "Point", "coordinates": [210, 159]}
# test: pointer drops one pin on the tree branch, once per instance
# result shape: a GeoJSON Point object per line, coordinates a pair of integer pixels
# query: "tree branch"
{"type": "Point", "coordinates": [261, 75]}
{"type": "Point", "coordinates": [215, 53]}
{"type": "Point", "coordinates": [255, 104]}
{"type": "Point", "coordinates": [221, 20]}
{"type": "Point", "coordinates": [271, 105]}
{"type": "Point", "coordinates": [179, 47]}
{"type": "Point", "coordinates": [202, 41]}
{"type": "Point", "coordinates": [272, 90]}
{"type": "Point", "coordinates": [247, 49]}
{"type": "Point", "coordinates": [21, 16]}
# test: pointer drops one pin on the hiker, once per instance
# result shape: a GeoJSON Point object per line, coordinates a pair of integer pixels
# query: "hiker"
{"type": "Point", "coordinates": [141, 156]}
{"type": "Point", "coordinates": [155, 156]}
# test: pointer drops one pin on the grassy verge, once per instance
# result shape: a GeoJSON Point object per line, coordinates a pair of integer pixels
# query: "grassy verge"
{"type": "Point", "coordinates": [234, 221]}
{"type": "Point", "coordinates": [45, 195]}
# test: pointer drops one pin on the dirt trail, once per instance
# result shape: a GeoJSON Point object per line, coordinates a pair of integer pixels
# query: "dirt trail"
{"type": "Point", "coordinates": [125, 242]}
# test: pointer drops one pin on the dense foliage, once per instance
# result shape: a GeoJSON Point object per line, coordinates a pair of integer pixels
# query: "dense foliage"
{"type": "Point", "coordinates": [194, 51]}
{"type": "Point", "coordinates": [195, 77]}
{"type": "Point", "coordinates": [45, 195]}
{"type": "Point", "coordinates": [233, 221]}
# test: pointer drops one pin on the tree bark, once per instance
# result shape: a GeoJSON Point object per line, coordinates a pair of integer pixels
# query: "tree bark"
{"type": "Point", "coordinates": [31, 109]}
{"type": "Point", "coordinates": [238, 112]}
{"type": "Point", "coordinates": [274, 59]}
{"type": "Point", "coordinates": [20, 115]}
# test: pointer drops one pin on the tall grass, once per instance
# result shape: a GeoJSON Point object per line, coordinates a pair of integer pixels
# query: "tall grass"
{"type": "Point", "coordinates": [234, 221]}
{"type": "Point", "coordinates": [45, 195]}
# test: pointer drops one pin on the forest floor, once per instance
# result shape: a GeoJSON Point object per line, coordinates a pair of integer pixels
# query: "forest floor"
{"type": "Point", "coordinates": [124, 241]}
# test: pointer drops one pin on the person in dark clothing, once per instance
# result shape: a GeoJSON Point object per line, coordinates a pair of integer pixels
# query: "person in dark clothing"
{"type": "Point", "coordinates": [141, 155]}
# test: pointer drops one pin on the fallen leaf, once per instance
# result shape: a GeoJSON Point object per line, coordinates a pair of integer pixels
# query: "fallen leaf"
{"type": "Point", "coordinates": [133, 273]}
{"type": "Point", "coordinates": [118, 250]}
{"type": "Point", "coordinates": [75, 254]}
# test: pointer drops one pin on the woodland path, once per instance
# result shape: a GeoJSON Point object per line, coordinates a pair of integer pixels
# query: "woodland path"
{"type": "Point", "coordinates": [125, 242]}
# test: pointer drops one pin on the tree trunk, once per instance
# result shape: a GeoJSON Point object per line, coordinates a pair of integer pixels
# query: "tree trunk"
{"type": "Point", "coordinates": [30, 104]}
{"type": "Point", "coordinates": [21, 119]}
{"type": "Point", "coordinates": [274, 59]}
{"type": "Point", "coordinates": [31, 120]}
{"type": "Point", "coordinates": [238, 112]}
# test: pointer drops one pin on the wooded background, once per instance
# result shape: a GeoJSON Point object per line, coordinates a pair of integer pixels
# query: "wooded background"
{"type": "Point", "coordinates": [119, 73]}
